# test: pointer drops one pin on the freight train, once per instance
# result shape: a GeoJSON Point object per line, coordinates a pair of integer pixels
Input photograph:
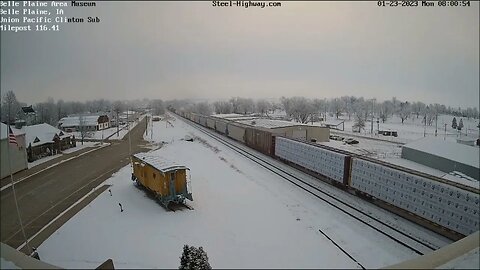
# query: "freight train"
{"type": "Point", "coordinates": [447, 207]}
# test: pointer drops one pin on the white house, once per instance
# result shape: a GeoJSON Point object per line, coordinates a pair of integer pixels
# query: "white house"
{"type": "Point", "coordinates": [88, 122]}
{"type": "Point", "coordinates": [44, 140]}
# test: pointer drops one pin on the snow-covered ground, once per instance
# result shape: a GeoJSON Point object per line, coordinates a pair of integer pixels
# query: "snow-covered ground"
{"type": "Point", "coordinates": [244, 217]}
{"type": "Point", "coordinates": [413, 128]}
{"type": "Point", "coordinates": [68, 151]}
{"type": "Point", "coordinates": [110, 133]}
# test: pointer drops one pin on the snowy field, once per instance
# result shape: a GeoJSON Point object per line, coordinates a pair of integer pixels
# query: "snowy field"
{"type": "Point", "coordinates": [68, 151]}
{"type": "Point", "coordinates": [413, 128]}
{"type": "Point", "coordinates": [244, 217]}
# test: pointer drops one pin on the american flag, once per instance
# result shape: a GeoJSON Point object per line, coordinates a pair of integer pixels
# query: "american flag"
{"type": "Point", "coordinates": [11, 137]}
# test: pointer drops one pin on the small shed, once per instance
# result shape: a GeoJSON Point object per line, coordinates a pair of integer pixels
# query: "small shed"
{"type": "Point", "coordinates": [169, 181]}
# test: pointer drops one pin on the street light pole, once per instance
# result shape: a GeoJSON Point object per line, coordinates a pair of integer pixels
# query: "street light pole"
{"type": "Point", "coordinates": [129, 140]}
{"type": "Point", "coordinates": [425, 124]}
{"type": "Point", "coordinates": [371, 129]}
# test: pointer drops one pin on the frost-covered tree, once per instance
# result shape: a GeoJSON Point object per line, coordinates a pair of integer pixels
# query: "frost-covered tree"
{"type": "Point", "coordinates": [157, 106]}
{"type": "Point", "coordinates": [359, 123]}
{"type": "Point", "coordinates": [319, 107]}
{"type": "Point", "coordinates": [404, 111]}
{"type": "Point", "coordinates": [418, 108]}
{"type": "Point", "coordinates": [194, 258]}
{"type": "Point", "coordinates": [263, 107]}
{"type": "Point", "coordinates": [454, 123]}
{"type": "Point", "coordinates": [386, 109]}
{"type": "Point", "coordinates": [348, 104]}
{"type": "Point", "coordinates": [203, 108]}
{"type": "Point", "coordinates": [83, 128]}
{"type": "Point", "coordinates": [336, 107]}
{"type": "Point", "coordinates": [10, 107]}
{"type": "Point", "coordinates": [299, 108]}
{"type": "Point", "coordinates": [460, 124]}
{"type": "Point", "coordinates": [246, 105]}
{"type": "Point", "coordinates": [221, 107]}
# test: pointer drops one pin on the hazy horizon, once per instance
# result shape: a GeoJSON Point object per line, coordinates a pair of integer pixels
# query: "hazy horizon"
{"type": "Point", "coordinates": [178, 50]}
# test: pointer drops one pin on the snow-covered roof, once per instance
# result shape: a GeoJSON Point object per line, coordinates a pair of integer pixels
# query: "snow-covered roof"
{"type": "Point", "coordinates": [450, 150]}
{"type": "Point", "coordinates": [4, 131]}
{"type": "Point", "coordinates": [44, 132]}
{"type": "Point", "coordinates": [267, 123]}
{"type": "Point", "coordinates": [73, 121]}
{"type": "Point", "coordinates": [333, 122]}
{"type": "Point", "coordinates": [425, 169]}
{"type": "Point", "coordinates": [227, 115]}
{"type": "Point", "coordinates": [242, 118]}
{"type": "Point", "coordinates": [159, 163]}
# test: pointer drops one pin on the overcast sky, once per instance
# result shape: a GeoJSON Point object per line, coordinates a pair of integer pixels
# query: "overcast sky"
{"type": "Point", "coordinates": [193, 50]}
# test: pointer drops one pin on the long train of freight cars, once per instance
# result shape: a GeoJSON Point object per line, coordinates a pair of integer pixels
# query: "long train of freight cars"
{"type": "Point", "coordinates": [450, 208]}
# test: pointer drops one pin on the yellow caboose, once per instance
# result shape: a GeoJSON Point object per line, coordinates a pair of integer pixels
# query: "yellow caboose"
{"type": "Point", "coordinates": [169, 182]}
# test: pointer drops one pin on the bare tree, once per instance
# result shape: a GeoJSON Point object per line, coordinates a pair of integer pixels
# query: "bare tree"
{"type": "Point", "coordinates": [386, 109]}
{"type": "Point", "coordinates": [235, 101]}
{"type": "Point", "coordinates": [222, 107]}
{"type": "Point", "coordinates": [157, 106]}
{"type": "Point", "coordinates": [299, 108]}
{"type": "Point", "coordinates": [359, 123]}
{"type": "Point", "coordinates": [336, 107]}
{"type": "Point", "coordinates": [10, 101]}
{"type": "Point", "coordinates": [203, 108]}
{"type": "Point", "coordinates": [246, 105]}
{"type": "Point", "coordinates": [85, 132]}
{"type": "Point", "coordinates": [348, 103]}
{"type": "Point", "coordinates": [404, 111]}
{"type": "Point", "coordinates": [263, 107]}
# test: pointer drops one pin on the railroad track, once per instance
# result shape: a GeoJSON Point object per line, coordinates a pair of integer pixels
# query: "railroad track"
{"type": "Point", "coordinates": [402, 238]}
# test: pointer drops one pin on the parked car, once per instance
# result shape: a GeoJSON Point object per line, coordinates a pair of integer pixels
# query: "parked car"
{"type": "Point", "coordinates": [336, 138]}
{"type": "Point", "coordinates": [351, 141]}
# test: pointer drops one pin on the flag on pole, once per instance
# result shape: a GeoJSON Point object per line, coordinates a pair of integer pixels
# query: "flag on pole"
{"type": "Point", "coordinates": [11, 137]}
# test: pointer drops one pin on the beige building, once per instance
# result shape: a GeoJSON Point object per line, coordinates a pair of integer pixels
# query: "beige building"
{"type": "Point", "coordinates": [289, 129]}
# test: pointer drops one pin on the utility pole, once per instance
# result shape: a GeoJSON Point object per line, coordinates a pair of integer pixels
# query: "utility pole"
{"type": "Point", "coordinates": [129, 140]}
{"type": "Point", "coordinates": [445, 137]}
{"type": "Point", "coordinates": [29, 249]}
{"type": "Point", "coordinates": [146, 126]}
{"type": "Point", "coordinates": [118, 122]}
{"type": "Point", "coordinates": [436, 124]}
{"type": "Point", "coordinates": [325, 103]}
{"type": "Point", "coordinates": [425, 124]}
{"type": "Point", "coordinates": [371, 129]}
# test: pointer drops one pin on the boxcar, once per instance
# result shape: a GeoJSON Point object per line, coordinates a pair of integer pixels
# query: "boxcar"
{"type": "Point", "coordinates": [211, 122]}
{"type": "Point", "coordinates": [221, 125]}
{"type": "Point", "coordinates": [236, 132]}
{"type": "Point", "coordinates": [260, 140]}
{"type": "Point", "coordinates": [169, 182]}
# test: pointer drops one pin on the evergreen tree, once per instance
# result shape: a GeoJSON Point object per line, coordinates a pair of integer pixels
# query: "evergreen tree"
{"type": "Point", "coordinates": [460, 124]}
{"type": "Point", "coordinates": [454, 123]}
{"type": "Point", "coordinates": [193, 258]}
{"type": "Point", "coordinates": [185, 259]}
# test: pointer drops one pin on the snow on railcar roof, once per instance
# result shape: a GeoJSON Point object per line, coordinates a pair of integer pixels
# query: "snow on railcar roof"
{"type": "Point", "coordinates": [267, 123]}
{"type": "Point", "coordinates": [159, 163]}
{"type": "Point", "coordinates": [450, 150]}
{"type": "Point", "coordinates": [227, 115]}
